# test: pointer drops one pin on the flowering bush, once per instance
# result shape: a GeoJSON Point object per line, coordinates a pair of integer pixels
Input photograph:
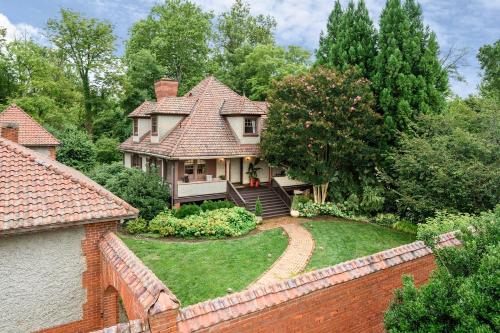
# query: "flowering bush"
{"type": "Point", "coordinates": [224, 222]}
{"type": "Point", "coordinates": [311, 209]}
{"type": "Point", "coordinates": [136, 226]}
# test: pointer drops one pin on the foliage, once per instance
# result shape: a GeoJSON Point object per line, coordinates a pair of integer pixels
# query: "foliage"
{"type": "Point", "coordinates": [111, 122]}
{"type": "Point", "coordinates": [299, 199]}
{"type": "Point", "coordinates": [107, 150]}
{"type": "Point", "coordinates": [405, 226]}
{"type": "Point", "coordinates": [312, 209]}
{"type": "Point", "coordinates": [144, 190]}
{"type": "Point", "coordinates": [339, 241]}
{"type": "Point", "coordinates": [86, 44]}
{"type": "Point", "coordinates": [408, 79]}
{"type": "Point", "coordinates": [350, 39]}
{"type": "Point", "coordinates": [237, 33]}
{"type": "Point", "coordinates": [489, 58]}
{"type": "Point", "coordinates": [176, 34]}
{"type": "Point", "coordinates": [187, 210]}
{"type": "Point", "coordinates": [386, 219]}
{"type": "Point", "coordinates": [267, 63]}
{"type": "Point", "coordinates": [462, 295]}
{"type": "Point", "coordinates": [258, 207]}
{"type": "Point", "coordinates": [213, 205]}
{"type": "Point", "coordinates": [137, 226]}
{"type": "Point", "coordinates": [198, 271]}
{"type": "Point", "coordinates": [442, 223]}
{"type": "Point", "coordinates": [325, 125]}
{"type": "Point", "coordinates": [451, 162]}
{"type": "Point", "coordinates": [76, 149]}
{"type": "Point", "coordinates": [224, 222]}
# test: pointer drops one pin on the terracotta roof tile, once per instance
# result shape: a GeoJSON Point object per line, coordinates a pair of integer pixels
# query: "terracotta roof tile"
{"type": "Point", "coordinates": [31, 133]}
{"type": "Point", "coordinates": [175, 105]}
{"type": "Point", "coordinates": [152, 294]}
{"type": "Point", "coordinates": [143, 110]}
{"type": "Point", "coordinates": [241, 105]}
{"type": "Point", "coordinates": [212, 312]}
{"type": "Point", "coordinates": [38, 192]}
{"type": "Point", "coordinates": [204, 132]}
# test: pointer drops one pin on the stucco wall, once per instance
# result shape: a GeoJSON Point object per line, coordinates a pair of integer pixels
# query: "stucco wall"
{"type": "Point", "coordinates": [165, 125]}
{"type": "Point", "coordinates": [143, 125]}
{"type": "Point", "coordinates": [127, 160]}
{"type": "Point", "coordinates": [41, 150]}
{"type": "Point", "coordinates": [201, 188]}
{"type": "Point", "coordinates": [41, 280]}
{"type": "Point", "coordinates": [237, 124]}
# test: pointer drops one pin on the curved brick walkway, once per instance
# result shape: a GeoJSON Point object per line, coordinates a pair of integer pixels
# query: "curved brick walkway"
{"type": "Point", "coordinates": [294, 259]}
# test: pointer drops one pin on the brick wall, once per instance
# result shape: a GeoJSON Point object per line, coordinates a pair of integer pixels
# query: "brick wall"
{"type": "Point", "coordinates": [91, 281]}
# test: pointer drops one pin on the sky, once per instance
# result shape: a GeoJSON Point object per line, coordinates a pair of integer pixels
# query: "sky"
{"type": "Point", "coordinates": [458, 24]}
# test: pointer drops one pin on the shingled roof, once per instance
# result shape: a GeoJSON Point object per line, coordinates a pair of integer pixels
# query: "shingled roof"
{"type": "Point", "coordinates": [31, 133]}
{"type": "Point", "coordinates": [37, 192]}
{"type": "Point", "coordinates": [204, 132]}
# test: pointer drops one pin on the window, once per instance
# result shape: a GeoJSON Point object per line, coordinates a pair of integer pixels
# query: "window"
{"type": "Point", "coordinates": [136, 127]}
{"type": "Point", "coordinates": [201, 167]}
{"type": "Point", "coordinates": [189, 167]}
{"type": "Point", "coordinates": [136, 161]}
{"type": "Point", "coordinates": [250, 126]}
{"type": "Point", "coordinates": [154, 163]}
{"type": "Point", "coordinates": [154, 125]}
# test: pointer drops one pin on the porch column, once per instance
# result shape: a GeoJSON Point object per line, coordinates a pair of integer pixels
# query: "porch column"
{"type": "Point", "coordinates": [174, 180]}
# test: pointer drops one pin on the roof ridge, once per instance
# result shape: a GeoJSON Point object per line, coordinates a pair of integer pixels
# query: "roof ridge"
{"type": "Point", "coordinates": [66, 171]}
{"type": "Point", "coordinates": [14, 106]}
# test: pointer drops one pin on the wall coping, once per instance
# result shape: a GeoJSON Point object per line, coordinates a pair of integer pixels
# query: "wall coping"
{"type": "Point", "coordinates": [211, 312]}
{"type": "Point", "coordinates": [147, 289]}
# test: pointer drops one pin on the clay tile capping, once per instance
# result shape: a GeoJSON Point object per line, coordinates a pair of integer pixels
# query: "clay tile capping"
{"type": "Point", "coordinates": [147, 289]}
{"type": "Point", "coordinates": [201, 315]}
{"type": "Point", "coordinates": [133, 326]}
{"type": "Point", "coordinates": [37, 192]}
{"type": "Point", "coordinates": [31, 133]}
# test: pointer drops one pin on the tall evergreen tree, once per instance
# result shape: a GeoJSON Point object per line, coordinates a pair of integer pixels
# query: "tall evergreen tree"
{"type": "Point", "coordinates": [329, 39]}
{"type": "Point", "coordinates": [408, 77]}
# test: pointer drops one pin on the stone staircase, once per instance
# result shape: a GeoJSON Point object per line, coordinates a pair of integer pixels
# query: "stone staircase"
{"type": "Point", "coordinates": [272, 204]}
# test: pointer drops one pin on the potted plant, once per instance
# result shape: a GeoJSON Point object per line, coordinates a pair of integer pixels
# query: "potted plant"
{"type": "Point", "coordinates": [258, 210]}
{"type": "Point", "coordinates": [222, 177]}
{"type": "Point", "coordinates": [252, 172]}
{"type": "Point", "coordinates": [256, 182]}
{"type": "Point", "coordinates": [294, 211]}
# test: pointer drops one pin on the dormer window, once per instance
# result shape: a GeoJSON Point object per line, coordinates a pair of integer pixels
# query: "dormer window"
{"type": "Point", "coordinates": [136, 127]}
{"type": "Point", "coordinates": [154, 125]}
{"type": "Point", "coordinates": [250, 126]}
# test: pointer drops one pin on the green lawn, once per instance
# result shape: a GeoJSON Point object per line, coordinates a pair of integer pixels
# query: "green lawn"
{"type": "Point", "coordinates": [200, 271]}
{"type": "Point", "coordinates": [338, 241]}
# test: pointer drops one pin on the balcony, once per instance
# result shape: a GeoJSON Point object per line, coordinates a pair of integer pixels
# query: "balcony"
{"type": "Point", "coordinates": [199, 188]}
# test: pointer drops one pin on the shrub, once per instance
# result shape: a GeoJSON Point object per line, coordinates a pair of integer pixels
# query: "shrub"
{"type": "Point", "coordinates": [224, 222]}
{"type": "Point", "coordinates": [386, 220]}
{"type": "Point", "coordinates": [213, 205]}
{"type": "Point", "coordinates": [187, 210]}
{"type": "Point", "coordinates": [299, 199]}
{"type": "Point", "coordinates": [405, 226]}
{"type": "Point", "coordinates": [76, 149]}
{"type": "Point", "coordinates": [107, 150]}
{"type": "Point", "coordinates": [443, 222]}
{"type": "Point", "coordinates": [136, 226]}
{"type": "Point", "coordinates": [311, 209]}
{"type": "Point", "coordinates": [145, 191]}
{"type": "Point", "coordinates": [258, 207]}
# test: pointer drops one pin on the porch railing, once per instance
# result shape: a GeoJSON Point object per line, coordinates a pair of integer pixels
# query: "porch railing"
{"type": "Point", "coordinates": [281, 192]}
{"type": "Point", "coordinates": [234, 195]}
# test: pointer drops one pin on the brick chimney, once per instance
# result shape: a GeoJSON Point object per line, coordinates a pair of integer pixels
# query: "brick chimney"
{"type": "Point", "coordinates": [166, 88]}
{"type": "Point", "coordinates": [10, 131]}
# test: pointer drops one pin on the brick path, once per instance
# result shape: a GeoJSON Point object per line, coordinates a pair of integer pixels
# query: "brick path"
{"type": "Point", "coordinates": [295, 257]}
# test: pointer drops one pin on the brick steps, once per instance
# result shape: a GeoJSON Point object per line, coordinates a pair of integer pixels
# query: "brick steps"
{"type": "Point", "coordinates": [272, 204]}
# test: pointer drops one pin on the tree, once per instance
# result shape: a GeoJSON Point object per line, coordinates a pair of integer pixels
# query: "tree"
{"type": "Point", "coordinates": [449, 162]}
{"type": "Point", "coordinates": [76, 149]}
{"type": "Point", "coordinates": [462, 294]}
{"type": "Point", "coordinates": [408, 76]}
{"type": "Point", "coordinates": [7, 86]}
{"type": "Point", "coordinates": [267, 63]}
{"type": "Point", "coordinates": [350, 40]}
{"type": "Point", "coordinates": [144, 190]}
{"type": "Point", "coordinates": [88, 45]}
{"type": "Point", "coordinates": [326, 128]}
{"type": "Point", "coordinates": [237, 34]}
{"type": "Point", "coordinates": [176, 34]}
{"type": "Point", "coordinates": [107, 150]}
{"type": "Point", "coordinates": [489, 58]}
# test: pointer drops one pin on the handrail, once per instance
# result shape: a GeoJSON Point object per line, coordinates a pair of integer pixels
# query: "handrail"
{"type": "Point", "coordinates": [281, 192]}
{"type": "Point", "coordinates": [233, 193]}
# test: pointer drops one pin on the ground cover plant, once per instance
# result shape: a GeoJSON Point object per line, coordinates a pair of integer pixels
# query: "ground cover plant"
{"type": "Point", "coordinates": [204, 270]}
{"type": "Point", "coordinates": [339, 241]}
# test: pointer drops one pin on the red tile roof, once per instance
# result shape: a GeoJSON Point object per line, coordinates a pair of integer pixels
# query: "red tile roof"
{"type": "Point", "coordinates": [204, 132]}
{"type": "Point", "coordinates": [31, 133]}
{"type": "Point", "coordinates": [37, 192]}
{"type": "Point", "coordinates": [143, 110]}
{"type": "Point", "coordinates": [209, 313]}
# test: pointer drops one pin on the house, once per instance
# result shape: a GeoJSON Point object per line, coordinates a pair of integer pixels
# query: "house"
{"type": "Point", "coordinates": [204, 143]}
{"type": "Point", "coordinates": [51, 221]}
{"type": "Point", "coordinates": [22, 128]}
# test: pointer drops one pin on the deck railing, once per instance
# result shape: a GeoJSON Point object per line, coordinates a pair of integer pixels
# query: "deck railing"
{"type": "Point", "coordinates": [234, 195]}
{"type": "Point", "coordinates": [281, 192]}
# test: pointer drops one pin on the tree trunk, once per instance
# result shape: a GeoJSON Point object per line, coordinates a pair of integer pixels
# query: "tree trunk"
{"type": "Point", "coordinates": [320, 193]}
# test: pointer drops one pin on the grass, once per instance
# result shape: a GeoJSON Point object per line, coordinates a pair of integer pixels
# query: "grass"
{"type": "Point", "coordinates": [338, 241]}
{"type": "Point", "coordinates": [200, 271]}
